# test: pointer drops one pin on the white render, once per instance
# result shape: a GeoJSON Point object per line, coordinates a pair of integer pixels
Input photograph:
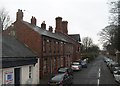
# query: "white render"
{"type": "Point", "coordinates": [24, 74]}
{"type": "Point", "coordinates": [0, 77]}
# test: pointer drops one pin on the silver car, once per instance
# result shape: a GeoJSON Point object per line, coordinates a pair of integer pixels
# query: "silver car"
{"type": "Point", "coordinates": [116, 69]}
{"type": "Point", "coordinates": [76, 66]}
{"type": "Point", "coordinates": [117, 76]}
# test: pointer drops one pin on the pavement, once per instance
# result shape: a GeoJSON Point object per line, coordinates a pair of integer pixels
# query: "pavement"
{"type": "Point", "coordinates": [44, 80]}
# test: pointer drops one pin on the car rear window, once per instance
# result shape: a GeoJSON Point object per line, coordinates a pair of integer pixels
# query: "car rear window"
{"type": "Point", "coordinates": [75, 63]}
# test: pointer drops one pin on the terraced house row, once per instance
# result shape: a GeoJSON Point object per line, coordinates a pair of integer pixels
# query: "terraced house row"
{"type": "Point", "coordinates": [53, 48]}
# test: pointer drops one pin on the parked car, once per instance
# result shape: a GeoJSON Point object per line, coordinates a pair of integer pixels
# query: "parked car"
{"type": "Point", "coordinates": [61, 79]}
{"type": "Point", "coordinates": [109, 61]}
{"type": "Point", "coordinates": [116, 69]}
{"type": "Point", "coordinates": [76, 65]}
{"type": "Point", "coordinates": [66, 70]}
{"type": "Point", "coordinates": [113, 66]}
{"type": "Point", "coordinates": [84, 64]}
{"type": "Point", "coordinates": [117, 76]}
{"type": "Point", "coordinates": [106, 59]}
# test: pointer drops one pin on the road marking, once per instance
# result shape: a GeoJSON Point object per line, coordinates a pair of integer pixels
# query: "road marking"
{"type": "Point", "coordinates": [99, 73]}
{"type": "Point", "coordinates": [99, 70]}
{"type": "Point", "coordinates": [98, 82]}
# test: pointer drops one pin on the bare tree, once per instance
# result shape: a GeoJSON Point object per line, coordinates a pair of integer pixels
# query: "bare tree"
{"type": "Point", "coordinates": [108, 37]}
{"type": "Point", "coordinates": [108, 34]}
{"type": "Point", "coordinates": [94, 48]}
{"type": "Point", "coordinates": [4, 19]}
{"type": "Point", "coordinates": [87, 42]}
{"type": "Point", "coordinates": [115, 18]}
{"type": "Point", "coordinates": [114, 11]}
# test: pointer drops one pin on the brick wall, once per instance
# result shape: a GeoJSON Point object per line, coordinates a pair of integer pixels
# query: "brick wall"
{"type": "Point", "coordinates": [52, 53]}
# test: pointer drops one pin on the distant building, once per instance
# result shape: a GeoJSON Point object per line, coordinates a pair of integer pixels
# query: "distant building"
{"type": "Point", "coordinates": [19, 64]}
{"type": "Point", "coordinates": [54, 49]}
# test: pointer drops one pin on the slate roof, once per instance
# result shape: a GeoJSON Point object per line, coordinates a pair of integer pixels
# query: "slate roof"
{"type": "Point", "coordinates": [75, 37]}
{"type": "Point", "coordinates": [11, 47]}
{"type": "Point", "coordinates": [44, 32]}
{"type": "Point", "coordinates": [14, 53]}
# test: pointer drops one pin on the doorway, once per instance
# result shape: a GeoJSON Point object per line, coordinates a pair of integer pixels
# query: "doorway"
{"type": "Point", "coordinates": [17, 76]}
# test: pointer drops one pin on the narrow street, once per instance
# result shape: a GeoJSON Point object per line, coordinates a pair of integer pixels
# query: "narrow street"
{"type": "Point", "coordinates": [97, 73]}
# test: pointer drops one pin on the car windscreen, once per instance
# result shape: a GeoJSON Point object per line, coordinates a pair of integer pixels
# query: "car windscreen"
{"type": "Point", "coordinates": [57, 78]}
{"type": "Point", "coordinates": [62, 70]}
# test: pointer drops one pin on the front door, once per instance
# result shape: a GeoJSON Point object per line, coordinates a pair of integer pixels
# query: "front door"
{"type": "Point", "coordinates": [17, 76]}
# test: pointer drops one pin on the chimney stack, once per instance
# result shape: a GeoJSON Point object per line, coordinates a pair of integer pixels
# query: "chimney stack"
{"type": "Point", "coordinates": [19, 15]}
{"type": "Point", "coordinates": [58, 24]}
{"type": "Point", "coordinates": [33, 20]}
{"type": "Point", "coordinates": [43, 25]}
{"type": "Point", "coordinates": [50, 29]}
{"type": "Point", "coordinates": [64, 27]}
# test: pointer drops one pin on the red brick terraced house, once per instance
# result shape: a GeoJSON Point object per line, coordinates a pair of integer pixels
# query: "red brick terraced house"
{"type": "Point", "coordinates": [54, 49]}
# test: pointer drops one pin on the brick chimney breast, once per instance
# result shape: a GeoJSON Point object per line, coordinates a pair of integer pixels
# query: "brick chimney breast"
{"type": "Point", "coordinates": [58, 24]}
{"type": "Point", "coordinates": [19, 15]}
{"type": "Point", "coordinates": [43, 25]}
{"type": "Point", "coordinates": [65, 27]}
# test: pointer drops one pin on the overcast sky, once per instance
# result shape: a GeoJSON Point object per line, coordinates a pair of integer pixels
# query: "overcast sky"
{"type": "Point", "coordinates": [85, 17]}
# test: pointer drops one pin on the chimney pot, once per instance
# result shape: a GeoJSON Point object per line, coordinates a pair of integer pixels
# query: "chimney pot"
{"type": "Point", "coordinates": [50, 29]}
{"type": "Point", "coordinates": [43, 25]}
{"type": "Point", "coordinates": [33, 20]}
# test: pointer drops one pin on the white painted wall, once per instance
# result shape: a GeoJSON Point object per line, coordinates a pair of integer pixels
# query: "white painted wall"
{"type": "Point", "coordinates": [24, 74]}
{"type": "Point", "coordinates": [1, 77]}
{"type": "Point", "coordinates": [36, 74]}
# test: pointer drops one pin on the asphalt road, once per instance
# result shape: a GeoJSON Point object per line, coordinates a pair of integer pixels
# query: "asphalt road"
{"type": "Point", "coordinates": [96, 74]}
